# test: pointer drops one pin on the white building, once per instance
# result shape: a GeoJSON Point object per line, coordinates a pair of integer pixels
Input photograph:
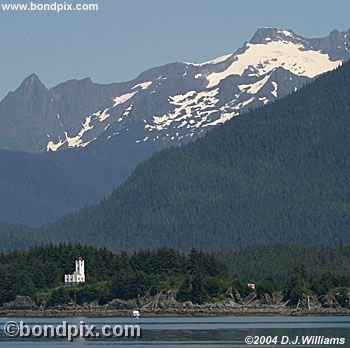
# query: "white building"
{"type": "Point", "coordinates": [78, 276]}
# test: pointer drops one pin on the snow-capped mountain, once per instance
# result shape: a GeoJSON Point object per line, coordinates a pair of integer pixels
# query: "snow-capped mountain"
{"type": "Point", "coordinates": [167, 105]}
{"type": "Point", "coordinates": [109, 129]}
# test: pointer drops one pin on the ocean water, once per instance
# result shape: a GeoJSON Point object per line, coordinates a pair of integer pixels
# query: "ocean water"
{"type": "Point", "coordinates": [194, 331]}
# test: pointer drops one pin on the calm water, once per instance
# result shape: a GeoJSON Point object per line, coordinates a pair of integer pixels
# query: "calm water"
{"type": "Point", "coordinates": [190, 332]}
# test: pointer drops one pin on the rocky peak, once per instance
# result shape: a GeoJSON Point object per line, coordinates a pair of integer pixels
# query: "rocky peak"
{"type": "Point", "coordinates": [263, 35]}
{"type": "Point", "coordinates": [31, 87]}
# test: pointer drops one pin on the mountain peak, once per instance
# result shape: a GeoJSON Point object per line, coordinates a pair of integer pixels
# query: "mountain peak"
{"type": "Point", "coordinates": [32, 82]}
{"type": "Point", "coordinates": [262, 35]}
{"type": "Point", "coordinates": [334, 32]}
{"type": "Point", "coordinates": [30, 88]}
{"type": "Point", "coordinates": [32, 78]}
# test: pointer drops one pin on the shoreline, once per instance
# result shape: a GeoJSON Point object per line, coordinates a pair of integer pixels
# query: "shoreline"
{"type": "Point", "coordinates": [175, 313]}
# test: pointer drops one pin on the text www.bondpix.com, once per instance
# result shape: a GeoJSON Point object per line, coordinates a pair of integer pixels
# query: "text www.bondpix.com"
{"type": "Point", "coordinates": [55, 7]}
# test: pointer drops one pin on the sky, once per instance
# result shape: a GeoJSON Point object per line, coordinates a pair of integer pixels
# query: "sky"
{"type": "Point", "coordinates": [126, 37]}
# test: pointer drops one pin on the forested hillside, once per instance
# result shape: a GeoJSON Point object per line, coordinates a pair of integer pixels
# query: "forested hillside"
{"type": "Point", "coordinates": [279, 174]}
{"type": "Point", "coordinates": [38, 188]}
{"type": "Point", "coordinates": [16, 237]}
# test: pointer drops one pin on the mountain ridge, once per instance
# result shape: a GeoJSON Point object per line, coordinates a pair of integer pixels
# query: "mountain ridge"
{"type": "Point", "coordinates": [79, 112]}
{"type": "Point", "coordinates": [96, 134]}
{"type": "Point", "coordinates": [259, 179]}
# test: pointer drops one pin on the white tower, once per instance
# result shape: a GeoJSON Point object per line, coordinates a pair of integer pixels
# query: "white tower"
{"type": "Point", "coordinates": [78, 276]}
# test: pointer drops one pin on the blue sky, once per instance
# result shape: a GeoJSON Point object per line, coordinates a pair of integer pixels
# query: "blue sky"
{"type": "Point", "coordinates": [128, 36]}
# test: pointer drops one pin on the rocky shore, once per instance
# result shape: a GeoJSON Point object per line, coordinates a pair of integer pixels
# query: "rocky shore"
{"type": "Point", "coordinates": [202, 312]}
{"type": "Point", "coordinates": [166, 305]}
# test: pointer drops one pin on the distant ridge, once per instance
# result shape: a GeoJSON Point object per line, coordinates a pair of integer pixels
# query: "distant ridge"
{"type": "Point", "coordinates": [71, 145]}
{"type": "Point", "coordinates": [278, 174]}
{"type": "Point", "coordinates": [170, 104]}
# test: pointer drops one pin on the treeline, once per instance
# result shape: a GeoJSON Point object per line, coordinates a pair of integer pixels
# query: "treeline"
{"type": "Point", "coordinates": [197, 277]}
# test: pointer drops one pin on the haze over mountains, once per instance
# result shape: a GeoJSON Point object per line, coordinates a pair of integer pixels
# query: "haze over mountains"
{"type": "Point", "coordinates": [278, 174]}
{"type": "Point", "coordinates": [107, 130]}
{"type": "Point", "coordinates": [168, 103]}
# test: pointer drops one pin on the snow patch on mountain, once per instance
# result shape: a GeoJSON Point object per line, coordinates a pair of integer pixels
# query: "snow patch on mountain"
{"type": "Point", "coordinates": [264, 100]}
{"type": "Point", "coordinates": [254, 87]}
{"type": "Point", "coordinates": [224, 117]}
{"type": "Point", "coordinates": [196, 97]}
{"type": "Point", "coordinates": [102, 115]}
{"type": "Point", "coordinates": [52, 146]}
{"type": "Point", "coordinates": [192, 104]}
{"type": "Point", "coordinates": [123, 98]}
{"type": "Point", "coordinates": [242, 104]}
{"type": "Point", "coordinates": [286, 33]}
{"type": "Point", "coordinates": [275, 88]}
{"type": "Point", "coordinates": [75, 141]}
{"type": "Point", "coordinates": [127, 110]}
{"type": "Point", "coordinates": [213, 61]}
{"type": "Point", "coordinates": [143, 85]}
{"type": "Point", "coordinates": [263, 58]}
{"type": "Point", "coordinates": [193, 112]}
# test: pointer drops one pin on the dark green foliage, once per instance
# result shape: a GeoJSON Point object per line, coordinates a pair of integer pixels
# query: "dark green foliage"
{"type": "Point", "coordinates": [297, 286]}
{"type": "Point", "coordinates": [194, 290]}
{"type": "Point", "coordinates": [58, 297]}
{"type": "Point", "coordinates": [93, 291]}
{"type": "Point", "coordinates": [321, 284]}
{"type": "Point", "coordinates": [109, 275]}
{"type": "Point", "coordinates": [184, 293]}
{"type": "Point", "coordinates": [203, 263]}
{"type": "Point", "coordinates": [266, 286]}
{"type": "Point", "coordinates": [278, 261]}
{"type": "Point", "coordinates": [279, 174]}
{"type": "Point", "coordinates": [199, 294]}
{"type": "Point", "coordinates": [198, 277]}
{"type": "Point", "coordinates": [162, 260]}
{"type": "Point", "coordinates": [126, 286]}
